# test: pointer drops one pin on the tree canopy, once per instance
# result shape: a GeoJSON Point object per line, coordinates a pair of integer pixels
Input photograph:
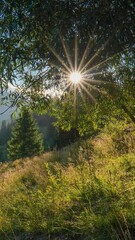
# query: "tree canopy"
{"type": "Point", "coordinates": [30, 28]}
{"type": "Point", "coordinates": [38, 41]}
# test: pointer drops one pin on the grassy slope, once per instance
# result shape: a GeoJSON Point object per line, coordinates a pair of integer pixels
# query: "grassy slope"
{"type": "Point", "coordinates": [86, 191]}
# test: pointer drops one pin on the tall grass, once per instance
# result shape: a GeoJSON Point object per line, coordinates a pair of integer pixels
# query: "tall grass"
{"type": "Point", "coordinates": [82, 192]}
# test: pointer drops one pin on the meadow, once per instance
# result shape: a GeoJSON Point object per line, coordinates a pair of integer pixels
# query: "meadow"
{"type": "Point", "coordinates": [86, 191]}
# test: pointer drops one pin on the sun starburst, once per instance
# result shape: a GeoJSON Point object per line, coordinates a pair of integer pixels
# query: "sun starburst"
{"type": "Point", "coordinates": [76, 76]}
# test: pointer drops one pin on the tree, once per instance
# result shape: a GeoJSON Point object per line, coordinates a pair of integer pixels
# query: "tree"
{"type": "Point", "coordinates": [5, 134]}
{"type": "Point", "coordinates": [49, 132]}
{"type": "Point", "coordinates": [40, 25]}
{"type": "Point", "coordinates": [26, 141]}
{"type": "Point", "coordinates": [32, 29]}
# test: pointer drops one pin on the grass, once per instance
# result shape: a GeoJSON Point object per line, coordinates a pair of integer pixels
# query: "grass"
{"type": "Point", "coordinates": [85, 191]}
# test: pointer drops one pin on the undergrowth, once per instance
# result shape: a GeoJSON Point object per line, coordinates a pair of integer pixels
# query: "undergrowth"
{"type": "Point", "coordinates": [86, 191]}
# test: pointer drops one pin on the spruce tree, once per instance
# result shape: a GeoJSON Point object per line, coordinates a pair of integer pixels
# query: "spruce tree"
{"type": "Point", "coordinates": [26, 140]}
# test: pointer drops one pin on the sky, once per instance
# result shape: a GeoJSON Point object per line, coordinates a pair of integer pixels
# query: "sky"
{"type": "Point", "coordinates": [7, 115]}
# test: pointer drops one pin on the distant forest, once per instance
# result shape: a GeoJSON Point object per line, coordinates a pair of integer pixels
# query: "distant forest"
{"type": "Point", "coordinates": [53, 137]}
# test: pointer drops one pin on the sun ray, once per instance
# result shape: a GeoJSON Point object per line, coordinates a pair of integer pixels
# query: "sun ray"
{"type": "Point", "coordinates": [76, 52]}
{"type": "Point", "coordinates": [67, 53]}
{"type": "Point", "coordinates": [94, 81]}
{"type": "Point", "coordinates": [86, 90]}
{"type": "Point", "coordinates": [96, 53]}
{"type": "Point", "coordinates": [59, 58]}
{"type": "Point", "coordinates": [91, 59]}
{"type": "Point", "coordinates": [85, 54]}
{"type": "Point", "coordinates": [57, 67]}
{"type": "Point", "coordinates": [71, 87]}
{"type": "Point", "coordinates": [97, 73]}
{"type": "Point", "coordinates": [81, 93]}
{"type": "Point", "coordinates": [92, 86]}
{"type": "Point", "coordinates": [84, 76]}
{"type": "Point", "coordinates": [75, 96]}
{"type": "Point", "coordinates": [67, 85]}
{"type": "Point", "coordinates": [101, 64]}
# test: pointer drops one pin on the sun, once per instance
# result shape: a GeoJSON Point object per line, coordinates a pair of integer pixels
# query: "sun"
{"type": "Point", "coordinates": [80, 75]}
{"type": "Point", "coordinates": [75, 77]}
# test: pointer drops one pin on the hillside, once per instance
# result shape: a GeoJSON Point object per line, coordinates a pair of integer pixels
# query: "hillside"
{"type": "Point", "coordinates": [85, 191]}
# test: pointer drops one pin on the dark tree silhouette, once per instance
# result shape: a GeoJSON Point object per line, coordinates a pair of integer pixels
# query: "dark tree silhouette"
{"type": "Point", "coordinates": [26, 140]}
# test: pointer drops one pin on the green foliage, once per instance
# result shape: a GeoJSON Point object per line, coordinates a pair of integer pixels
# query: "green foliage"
{"type": "Point", "coordinates": [87, 117]}
{"type": "Point", "coordinates": [109, 27]}
{"type": "Point", "coordinates": [26, 140]}
{"type": "Point", "coordinates": [90, 197]}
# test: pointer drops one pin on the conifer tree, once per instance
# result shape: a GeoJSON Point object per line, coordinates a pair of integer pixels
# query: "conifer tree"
{"type": "Point", "coordinates": [26, 140]}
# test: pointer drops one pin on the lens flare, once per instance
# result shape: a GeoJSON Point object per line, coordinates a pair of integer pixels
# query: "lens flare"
{"type": "Point", "coordinates": [75, 77]}
{"type": "Point", "coordinates": [82, 74]}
